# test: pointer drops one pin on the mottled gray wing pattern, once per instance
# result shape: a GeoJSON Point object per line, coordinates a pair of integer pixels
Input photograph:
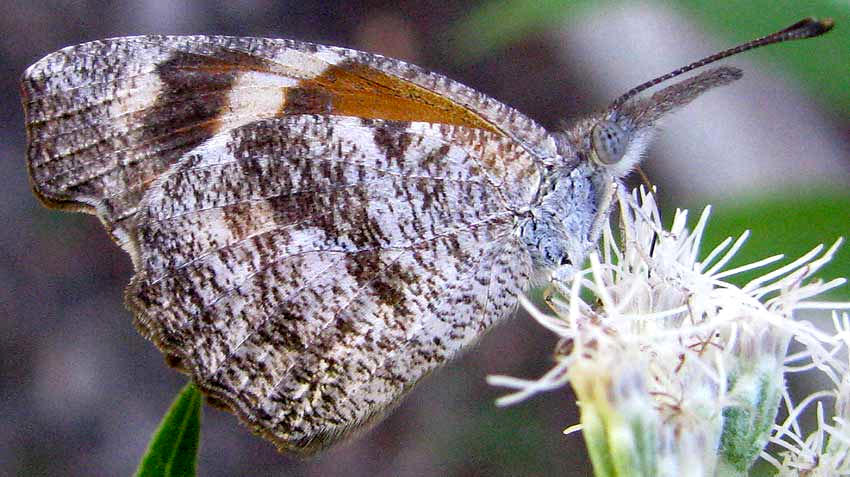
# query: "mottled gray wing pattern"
{"type": "Point", "coordinates": [309, 270]}
{"type": "Point", "coordinates": [105, 118]}
{"type": "Point", "coordinates": [313, 228]}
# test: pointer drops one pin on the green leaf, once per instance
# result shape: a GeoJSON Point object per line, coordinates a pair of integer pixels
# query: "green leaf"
{"type": "Point", "coordinates": [173, 451]}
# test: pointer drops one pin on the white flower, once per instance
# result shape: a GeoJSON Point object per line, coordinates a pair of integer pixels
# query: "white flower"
{"type": "Point", "coordinates": [826, 450]}
{"type": "Point", "coordinates": [677, 371]}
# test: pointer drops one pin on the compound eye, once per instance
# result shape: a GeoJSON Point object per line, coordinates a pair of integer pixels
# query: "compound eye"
{"type": "Point", "coordinates": [608, 142]}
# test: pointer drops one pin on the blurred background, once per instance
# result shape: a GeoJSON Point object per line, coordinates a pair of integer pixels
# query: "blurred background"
{"type": "Point", "coordinates": [81, 391]}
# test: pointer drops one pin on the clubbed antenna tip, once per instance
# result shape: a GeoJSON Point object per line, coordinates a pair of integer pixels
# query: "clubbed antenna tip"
{"type": "Point", "coordinates": [806, 28]}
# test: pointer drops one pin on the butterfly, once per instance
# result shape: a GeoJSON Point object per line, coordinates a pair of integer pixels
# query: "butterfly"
{"type": "Point", "coordinates": [314, 229]}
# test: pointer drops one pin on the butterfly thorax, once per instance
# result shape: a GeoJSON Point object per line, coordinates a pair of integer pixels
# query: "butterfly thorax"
{"type": "Point", "coordinates": [558, 230]}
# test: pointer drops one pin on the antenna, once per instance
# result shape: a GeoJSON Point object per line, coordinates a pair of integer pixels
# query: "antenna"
{"type": "Point", "coordinates": [806, 28]}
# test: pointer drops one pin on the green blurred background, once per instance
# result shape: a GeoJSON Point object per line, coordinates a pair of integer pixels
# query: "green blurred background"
{"type": "Point", "coordinates": [82, 391]}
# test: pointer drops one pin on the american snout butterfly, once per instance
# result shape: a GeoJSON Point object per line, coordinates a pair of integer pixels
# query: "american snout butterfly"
{"type": "Point", "coordinates": [314, 229]}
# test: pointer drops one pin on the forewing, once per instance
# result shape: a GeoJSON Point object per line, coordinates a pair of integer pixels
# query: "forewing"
{"type": "Point", "coordinates": [309, 270]}
{"type": "Point", "coordinates": [106, 118]}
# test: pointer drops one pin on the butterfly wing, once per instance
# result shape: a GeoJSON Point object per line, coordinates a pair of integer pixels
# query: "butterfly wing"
{"type": "Point", "coordinates": [313, 229]}
{"type": "Point", "coordinates": [307, 277]}
{"type": "Point", "coordinates": [105, 118]}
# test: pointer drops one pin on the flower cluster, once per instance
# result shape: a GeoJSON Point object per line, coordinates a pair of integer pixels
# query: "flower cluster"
{"type": "Point", "coordinates": [679, 372]}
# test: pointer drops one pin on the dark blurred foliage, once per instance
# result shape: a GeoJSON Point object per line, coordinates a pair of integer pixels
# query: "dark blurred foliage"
{"type": "Point", "coordinates": [82, 392]}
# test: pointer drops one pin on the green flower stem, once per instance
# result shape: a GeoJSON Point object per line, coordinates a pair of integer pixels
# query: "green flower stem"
{"type": "Point", "coordinates": [747, 425]}
{"type": "Point", "coordinates": [618, 425]}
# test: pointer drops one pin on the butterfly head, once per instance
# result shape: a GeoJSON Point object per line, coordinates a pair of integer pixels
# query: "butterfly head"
{"type": "Point", "coordinates": [614, 141]}
{"type": "Point", "coordinates": [597, 153]}
{"type": "Point", "coordinates": [601, 150]}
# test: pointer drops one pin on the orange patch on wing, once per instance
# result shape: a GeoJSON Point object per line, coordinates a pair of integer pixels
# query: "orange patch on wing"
{"type": "Point", "coordinates": [352, 89]}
